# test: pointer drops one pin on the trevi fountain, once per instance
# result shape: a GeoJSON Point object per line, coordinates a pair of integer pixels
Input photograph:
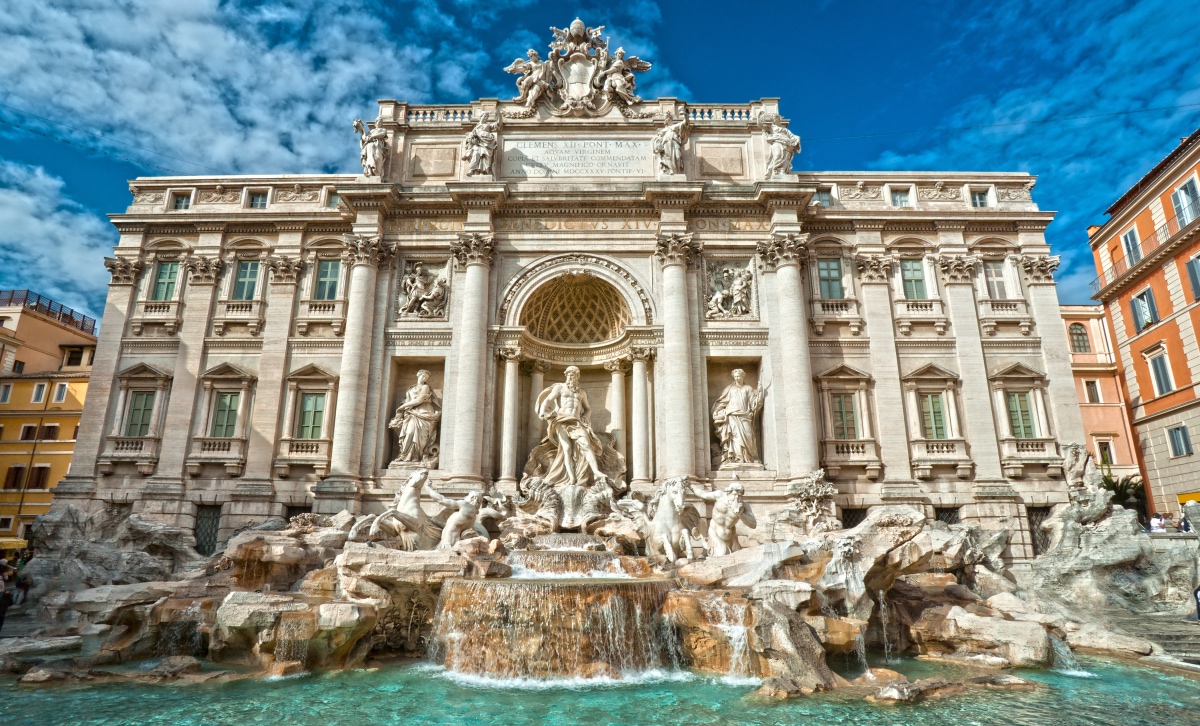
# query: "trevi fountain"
{"type": "Point", "coordinates": [394, 479]}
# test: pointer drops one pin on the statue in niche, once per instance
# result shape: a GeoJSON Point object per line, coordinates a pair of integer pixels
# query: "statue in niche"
{"type": "Point", "coordinates": [536, 78]}
{"type": "Point", "coordinates": [422, 292]}
{"type": "Point", "coordinates": [735, 417]}
{"type": "Point", "coordinates": [572, 457]}
{"type": "Point", "coordinates": [729, 289]}
{"type": "Point", "coordinates": [416, 423]}
{"type": "Point", "coordinates": [728, 509]}
{"type": "Point", "coordinates": [782, 145]}
{"type": "Point", "coordinates": [668, 145]}
{"type": "Point", "coordinates": [372, 145]}
{"type": "Point", "coordinates": [479, 148]}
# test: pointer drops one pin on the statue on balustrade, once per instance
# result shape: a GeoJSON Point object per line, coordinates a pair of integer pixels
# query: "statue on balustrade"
{"type": "Point", "coordinates": [782, 145]}
{"type": "Point", "coordinates": [668, 145]}
{"type": "Point", "coordinates": [479, 147]}
{"type": "Point", "coordinates": [372, 145]}
{"type": "Point", "coordinates": [728, 509]}
{"type": "Point", "coordinates": [735, 418]}
{"type": "Point", "coordinates": [416, 423]}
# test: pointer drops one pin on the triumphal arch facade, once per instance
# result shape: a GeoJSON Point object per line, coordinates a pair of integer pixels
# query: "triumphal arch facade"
{"type": "Point", "coordinates": [586, 286]}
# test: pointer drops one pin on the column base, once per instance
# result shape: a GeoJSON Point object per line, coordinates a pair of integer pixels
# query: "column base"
{"type": "Point", "coordinates": [332, 495]}
{"type": "Point", "coordinates": [462, 483]}
{"type": "Point", "coordinates": [507, 484]}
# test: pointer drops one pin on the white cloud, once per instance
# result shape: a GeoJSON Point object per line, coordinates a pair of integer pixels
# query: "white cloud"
{"type": "Point", "coordinates": [48, 243]}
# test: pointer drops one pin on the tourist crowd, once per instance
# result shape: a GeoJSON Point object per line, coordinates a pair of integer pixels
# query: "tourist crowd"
{"type": "Point", "coordinates": [1161, 522]}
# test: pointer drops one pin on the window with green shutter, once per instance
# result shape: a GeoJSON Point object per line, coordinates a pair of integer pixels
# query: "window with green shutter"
{"type": "Point", "coordinates": [933, 417]}
{"type": "Point", "coordinates": [1020, 417]}
{"type": "Point", "coordinates": [829, 274]}
{"type": "Point", "coordinates": [912, 274]}
{"type": "Point", "coordinates": [845, 425]}
{"type": "Point", "coordinates": [224, 422]}
{"type": "Point", "coordinates": [164, 281]}
{"type": "Point", "coordinates": [312, 413]}
{"type": "Point", "coordinates": [327, 280]}
{"type": "Point", "coordinates": [246, 280]}
{"type": "Point", "coordinates": [141, 407]}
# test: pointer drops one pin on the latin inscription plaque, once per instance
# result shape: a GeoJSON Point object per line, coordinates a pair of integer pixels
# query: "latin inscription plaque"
{"type": "Point", "coordinates": [551, 158]}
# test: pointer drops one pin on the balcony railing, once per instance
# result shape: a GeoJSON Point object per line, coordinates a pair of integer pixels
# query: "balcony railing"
{"type": "Point", "coordinates": [439, 114]}
{"type": "Point", "coordinates": [1161, 236]}
{"type": "Point", "coordinates": [827, 311]}
{"type": "Point", "coordinates": [139, 450]}
{"type": "Point", "coordinates": [240, 312]}
{"type": "Point", "coordinates": [305, 452]}
{"type": "Point", "coordinates": [227, 451]}
{"type": "Point", "coordinates": [928, 453]}
{"type": "Point", "coordinates": [49, 308]}
{"type": "Point", "coordinates": [156, 312]}
{"type": "Point", "coordinates": [992, 312]}
{"type": "Point", "coordinates": [920, 311]}
{"type": "Point", "coordinates": [1029, 449]}
{"type": "Point", "coordinates": [331, 312]}
{"type": "Point", "coordinates": [839, 453]}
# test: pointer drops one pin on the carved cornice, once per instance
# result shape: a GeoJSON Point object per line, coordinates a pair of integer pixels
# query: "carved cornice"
{"type": "Point", "coordinates": [478, 195]}
{"type": "Point", "coordinates": [950, 225]}
{"type": "Point", "coordinates": [1039, 270]}
{"type": "Point", "coordinates": [869, 225]}
{"type": "Point", "coordinates": [361, 250]}
{"type": "Point", "coordinates": [667, 195]}
{"type": "Point", "coordinates": [783, 249]}
{"type": "Point", "coordinates": [124, 271]}
{"type": "Point", "coordinates": [130, 227]}
{"type": "Point", "coordinates": [874, 268]}
{"type": "Point", "coordinates": [203, 270]}
{"type": "Point", "coordinates": [209, 226]}
{"type": "Point", "coordinates": [285, 270]}
{"type": "Point", "coordinates": [296, 226]}
{"type": "Point", "coordinates": [1032, 225]}
{"type": "Point", "coordinates": [473, 248]}
{"type": "Point", "coordinates": [677, 249]}
{"type": "Point", "coordinates": [958, 269]}
{"type": "Point", "coordinates": [717, 338]}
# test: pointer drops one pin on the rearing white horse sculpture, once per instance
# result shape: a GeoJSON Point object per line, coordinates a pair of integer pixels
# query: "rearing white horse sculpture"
{"type": "Point", "coordinates": [674, 526]}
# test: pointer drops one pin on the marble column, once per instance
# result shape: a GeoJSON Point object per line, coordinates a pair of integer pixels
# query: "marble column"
{"type": "Point", "coordinates": [537, 381]}
{"type": "Point", "coordinates": [1061, 398]}
{"type": "Point", "coordinates": [510, 420]}
{"type": "Point", "coordinates": [639, 444]}
{"type": "Point", "coordinates": [473, 250]}
{"type": "Point", "coordinates": [617, 369]}
{"type": "Point", "coordinates": [782, 255]}
{"type": "Point", "coordinates": [675, 252]}
{"type": "Point", "coordinates": [363, 256]}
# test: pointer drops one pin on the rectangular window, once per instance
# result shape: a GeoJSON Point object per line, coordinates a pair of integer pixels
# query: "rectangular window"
{"type": "Point", "coordinates": [49, 432]}
{"type": "Point", "coordinates": [18, 366]}
{"type": "Point", "coordinates": [39, 476]}
{"type": "Point", "coordinates": [1186, 201]}
{"type": "Point", "coordinates": [164, 281]}
{"type": "Point", "coordinates": [29, 432]}
{"type": "Point", "coordinates": [6, 524]}
{"type": "Point", "coordinates": [933, 419]}
{"type": "Point", "coordinates": [1160, 369]}
{"type": "Point", "coordinates": [823, 198]}
{"type": "Point", "coordinates": [182, 200]}
{"type": "Point", "coordinates": [208, 525]}
{"type": "Point", "coordinates": [332, 200]}
{"type": "Point", "coordinates": [258, 200]}
{"type": "Point", "coordinates": [141, 408]}
{"type": "Point", "coordinates": [225, 415]}
{"type": "Point", "coordinates": [245, 280]}
{"type": "Point", "coordinates": [1037, 516]}
{"type": "Point", "coordinates": [829, 274]}
{"type": "Point", "coordinates": [1193, 270]}
{"type": "Point", "coordinates": [327, 280]}
{"type": "Point", "coordinates": [14, 477]}
{"type": "Point", "coordinates": [75, 357]}
{"type": "Point", "coordinates": [312, 415]}
{"type": "Point", "coordinates": [1093, 391]}
{"type": "Point", "coordinates": [845, 422]}
{"type": "Point", "coordinates": [993, 273]}
{"type": "Point", "coordinates": [912, 274]}
{"type": "Point", "coordinates": [1133, 248]}
{"type": "Point", "coordinates": [1181, 443]}
{"type": "Point", "coordinates": [5, 392]}
{"type": "Point", "coordinates": [947, 515]}
{"type": "Point", "coordinates": [979, 199]}
{"type": "Point", "coordinates": [899, 197]}
{"type": "Point", "coordinates": [39, 393]}
{"type": "Point", "coordinates": [1145, 311]}
{"type": "Point", "coordinates": [1020, 416]}
{"type": "Point", "coordinates": [1104, 448]}
{"type": "Point", "coordinates": [60, 392]}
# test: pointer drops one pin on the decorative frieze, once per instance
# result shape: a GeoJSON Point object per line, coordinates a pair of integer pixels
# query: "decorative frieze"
{"type": "Point", "coordinates": [874, 268]}
{"type": "Point", "coordinates": [677, 249]}
{"type": "Point", "coordinates": [783, 249]}
{"type": "Point", "coordinates": [939, 193]}
{"type": "Point", "coordinates": [124, 271]}
{"type": "Point", "coordinates": [473, 248]}
{"type": "Point", "coordinates": [220, 195]}
{"type": "Point", "coordinates": [958, 269]}
{"type": "Point", "coordinates": [1016, 194]}
{"type": "Point", "coordinates": [861, 192]}
{"type": "Point", "coordinates": [423, 292]}
{"type": "Point", "coordinates": [297, 194]}
{"type": "Point", "coordinates": [203, 270]}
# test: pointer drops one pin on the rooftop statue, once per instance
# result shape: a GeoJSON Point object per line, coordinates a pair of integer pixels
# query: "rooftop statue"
{"type": "Point", "coordinates": [479, 148]}
{"type": "Point", "coordinates": [373, 147]}
{"type": "Point", "coordinates": [782, 145]}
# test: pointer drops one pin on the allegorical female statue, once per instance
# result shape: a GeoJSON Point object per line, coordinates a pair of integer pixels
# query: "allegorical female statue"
{"type": "Point", "coordinates": [372, 144]}
{"type": "Point", "coordinates": [479, 148]}
{"type": "Point", "coordinates": [782, 145]}
{"type": "Point", "coordinates": [668, 145]}
{"type": "Point", "coordinates": [735, 416]}
{"type": "Point", "coordinates": [416, 423]}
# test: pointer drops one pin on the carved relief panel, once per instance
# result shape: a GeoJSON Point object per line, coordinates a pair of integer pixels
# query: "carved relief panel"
{"type": "Point", "coordinates": [424, 290]}
{"type": "Point", "coordinates": [729, 292]}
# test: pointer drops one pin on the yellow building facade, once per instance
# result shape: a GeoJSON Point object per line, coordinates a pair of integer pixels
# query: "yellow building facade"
{"type": "Point", "coordinates": [46, 354]}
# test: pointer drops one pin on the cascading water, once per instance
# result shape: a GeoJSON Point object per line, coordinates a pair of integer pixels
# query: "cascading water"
{"type": "Point", "coordinates": [730, 618]}
{"type": "Point", "coordinates": [1065, 661]}
{"type": "Point", "coordinates": [883, 627]}
{"type": "Point", "coordinates": [181, 635]}
{"type": "Point", "coordinates": [560, 563]}
{"type": "Point", "coordinates": [860, 653]}
{"type": "Point", "coordinates": [293, 640]}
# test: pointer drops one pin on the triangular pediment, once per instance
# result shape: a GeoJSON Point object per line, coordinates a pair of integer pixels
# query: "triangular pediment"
{"type": "Point", "coordinates": [143, 370]}
{"type": "Point", "coordinates": [931, 372]}
{"type": "Point", "coordinates": [228, 370]}
{"type": "Point", "coordinates": [844, 372]}
{"type": "Point", "coordinates": [312, 371]}
{"type": "Point", "coordinates": [1018, 370]}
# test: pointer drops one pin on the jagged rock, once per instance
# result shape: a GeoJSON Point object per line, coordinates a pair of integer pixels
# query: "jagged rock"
{"type": "Point", "coordinates": [705, 621]}
{"type": "Point", "coordinates": [988, 583]}
{"type": "Point", "coordinates": [343, 520]}
{"type": "Point", "coordinates": [621, 534]}
{"type": "Point", "coordinates": [487, 566]}
{"type": "Point", "coordinates": [287, 668]}
{"type": "Point", "coordinates": [836, 635]}
{"type": "Point", "coordinates": [255, 628]}
{"type": "Point", "coordinates": [876, 676]}
{"type": "Point", "coordinates": [103, 604]}
{"type": "Point", "coordinates": [1103, 640]}
{"type": "Point", "coordinates": [174, 667]}
{"type": "Point", "coordinates": [322, 582]}
{"type": "Point", "coordinates": [742, 568]}
{"type": "Point", "coordinates": [789, 593]}
{"type": "Point", "coordinates": [471, 546]}
{"type": "Point", "coordinates": [786, 648]}
{"type": "Point", "coordinates": [42, 675]}
{"type": "Point", "coordinates": [903, 692]}
{"type": "Point", "coordinates": [24, 647]}
{"type": "Point", "coordinates": [382, 565]}
{"type": "Point", "coordinates": [949, 629]}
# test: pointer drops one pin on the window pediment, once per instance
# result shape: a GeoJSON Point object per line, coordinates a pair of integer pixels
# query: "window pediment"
{"type": "Point", "coordinates": [930, 373]}
{"type": "Point", "coordinates": [1017, 372]}
{"type": "Point", "coordinates": [143, 371]}
{"type": "Point", "coordinates": [228, 372]}
{"type": "Point", "coordinates": [312, 372]}
{"type": "Point", "coordinates": [845, 373]}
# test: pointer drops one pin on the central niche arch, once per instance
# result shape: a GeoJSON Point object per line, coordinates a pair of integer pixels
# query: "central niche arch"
{"type": "Point", "coordinates": [575, 308]}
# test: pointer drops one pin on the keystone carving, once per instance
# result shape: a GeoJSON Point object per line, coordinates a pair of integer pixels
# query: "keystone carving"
{"type": "Point", "coordinates": [284, 269]}
{"type": "Point", "coordinates": [874, 268]}
{"type": "Point", "coordinates": [958, 268]}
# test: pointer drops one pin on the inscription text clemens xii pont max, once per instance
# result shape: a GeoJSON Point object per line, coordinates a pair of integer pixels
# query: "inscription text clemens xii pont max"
{"type": "Point", "coordinates": [530, 159]}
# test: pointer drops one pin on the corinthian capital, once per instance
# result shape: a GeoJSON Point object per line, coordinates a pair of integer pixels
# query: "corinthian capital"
{"type": "Point", "coordinates": [124, 271]}
{"type": "Point", "coordinates": [365, 251]}
{"type": "Point", "coordinates": [203, 270]}
{"type": "Point", "coordinates": [473, 248]}
{"type": "Point", "coordinates": [677, 249]}
{"type": "Point", "coordinates": [874, 268]}
{"type": "Point", "coordinates": [1039, 270]}
{"type": "Point", "coordinates": [783, 249]}
{"type": "Point", "coordinates": [958, 268]}
{"type": "Point", "coordinates": [285, 270]}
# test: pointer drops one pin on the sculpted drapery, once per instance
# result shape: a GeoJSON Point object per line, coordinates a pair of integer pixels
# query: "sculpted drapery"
{"type": "Point", "coordinates": [416, 423]}
{"type": "Point", "coordinates": [571, 453]}
{"type": "Point", "coordinates": [735, 416]}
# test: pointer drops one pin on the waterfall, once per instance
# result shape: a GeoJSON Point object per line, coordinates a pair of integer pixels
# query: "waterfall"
{"type": "Point", "coordinates": [564, 563]}
{"type": "Point", "coordinates": [883, 627]}
{"type": "Point", "coordinates": [730, 618]}
{"type": "Point", "coordinates": [293, 640]}
{"type": "Point", "coordinates": [860, 653]}
{"type": "Point", "coordinates": [181, 634]}
{"type": "Point", "coordinates": [1064, 661]}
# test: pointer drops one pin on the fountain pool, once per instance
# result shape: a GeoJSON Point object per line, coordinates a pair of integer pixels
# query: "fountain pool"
{"type": "Point", "coordinates": [1120, 694]}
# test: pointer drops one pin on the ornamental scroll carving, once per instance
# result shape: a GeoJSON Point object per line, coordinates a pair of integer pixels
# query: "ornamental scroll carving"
{"type": "Point", "coordinates": [677, 249]}
{"type": "Point", "coordinates": [362, 250]}
{"type": "Point", "coordinates": [297, 194]}
{"type": "Point", "coordinates": [473, 248]}
{"type": "Point", "coordinates": [148, 198]}
{"type": "Point", "coordinates": [730, 292]}
{"type": "Point", "coordinates": [203, 270]}
{"type": "Point", "coordinates": [783, 249]}
{"type": "Point", "coordinates": [1016, 194]}
{"type": "Point", "coordinates": [123, 271]}
{"type": "Point", "coordinates": [958, 268]}
{"type": "Point", "coordinates": [939, 193]}
{"type": "Point", "coordinates": [874, 268]}
{"type": "Point", "coordinates": [285, 270]}
{"type": "Point", "coordinates": [861, 192]}
{"type": "Point", "coordinates": [1039, 270]}
{"type": "Point", "coordinates": [220, 195]}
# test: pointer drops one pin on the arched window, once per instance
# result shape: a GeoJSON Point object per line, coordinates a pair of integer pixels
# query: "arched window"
{"type": "Point", "coordinates": [1079, 339]}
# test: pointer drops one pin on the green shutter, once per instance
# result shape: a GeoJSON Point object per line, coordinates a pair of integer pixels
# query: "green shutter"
{"type": "Point", "coordinates": [141, 406]}
{"type": "Point", "coordinates": [829, 274]}
{"type": "Point", "coordinates": [246, 280]}
{"type": "Point", "coordinates": [912, 273]}
{"type": "Point", "coordinates": [1020, 416]}
{"type": "Point", "coordinates": [327, 280]}
{"type": "Point", "coordinates": [845, 427]}
{"type": "Point", "coordinates": [932, 417]}
{"type": "Point", "coordinates": [225, 415]}
{"type": "Point", "coordinates": [164, 281]}
{"type": "Point", "coordinates": [312, 412]}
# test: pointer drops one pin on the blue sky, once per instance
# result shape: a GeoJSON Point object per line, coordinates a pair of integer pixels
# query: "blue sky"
{"type": "Point", "coordinates": [270, 86]}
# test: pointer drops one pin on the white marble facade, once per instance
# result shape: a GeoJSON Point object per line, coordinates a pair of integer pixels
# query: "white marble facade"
{"type": "Point", "coordinates": [261, 333]}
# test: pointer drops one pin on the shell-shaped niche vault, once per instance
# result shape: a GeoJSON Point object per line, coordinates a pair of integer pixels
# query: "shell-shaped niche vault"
{"type": "Point", "coordinates": [576, 309]}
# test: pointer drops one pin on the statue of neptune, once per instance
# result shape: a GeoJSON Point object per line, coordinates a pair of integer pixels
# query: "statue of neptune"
{"type": "Point", "coordinates": [571, 453]}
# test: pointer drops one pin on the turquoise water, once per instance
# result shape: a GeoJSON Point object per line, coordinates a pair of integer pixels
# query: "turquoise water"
{"type": "Point", "coordinates": [1119, 694]}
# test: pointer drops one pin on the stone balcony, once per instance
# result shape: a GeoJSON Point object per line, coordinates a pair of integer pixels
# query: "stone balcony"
{"type": "Point", "coordinates": [238, 312]}
{"type": "Point", "coordinates": [851, 453]}
{"type": "Point", "coordinates": [321, 312]}
{"type": "Point", "coordinates": [920, 312]}
{"type": "Point", "coordinates": [845, 312]}
{"type": "Point", "coordinates": [167, 313]}
{"type": "Point", "coordinates": [303, 452]}
{"type": "Point", "coordinates": [227, 452]}
{"type": "Point", "coordinates": [928, 453]}
{"type": "Point", "coordinates": [141, 451]}
{"type": "Point", "coordinates": [994, 313]}
{"type": "Point", "coordinates": [1016, 454]}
